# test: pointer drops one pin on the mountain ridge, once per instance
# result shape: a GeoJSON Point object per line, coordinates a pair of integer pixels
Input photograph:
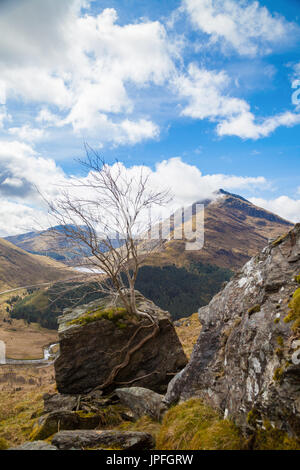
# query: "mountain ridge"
{"type": "Point", "coordinates": [19, 268]}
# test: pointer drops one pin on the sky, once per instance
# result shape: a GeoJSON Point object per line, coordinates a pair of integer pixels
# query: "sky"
{"type": "Point", "coordinates": [203, 93]}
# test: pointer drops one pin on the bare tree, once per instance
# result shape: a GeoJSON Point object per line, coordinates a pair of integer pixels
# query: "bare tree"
{"type": "Point", "coordinates": [105, 219]}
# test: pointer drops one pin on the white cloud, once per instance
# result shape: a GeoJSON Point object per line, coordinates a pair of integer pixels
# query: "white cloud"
{"type": "Point", "coordinates": [205, 91]}
{"type": "Point", "coordinates": [242, 25]}
{"type": "Point", "coordinates": [19, 161]}
{"type": "Point", "coordinates": [207, 95]}
{"type": "Point", "coordinates": [22, 169]}
{"type": "Point", "coordinates": [4, 116]}
{"type": "Point", "coordinates": [195, 186]}
{"type": "Point", "coordinates": [284, 206]}
{"type": "Point", "coordinates": [82, 66]}
{"type": "Point", "coordinates": [18, 218]}
{"type": "Point", "coordinates": [245, 125]}
{"type": "Point", "coordinates": [27, 133]}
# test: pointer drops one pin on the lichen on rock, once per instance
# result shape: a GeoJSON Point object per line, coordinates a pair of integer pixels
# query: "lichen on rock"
{"type": "Point", "coordinates": [243, 357]}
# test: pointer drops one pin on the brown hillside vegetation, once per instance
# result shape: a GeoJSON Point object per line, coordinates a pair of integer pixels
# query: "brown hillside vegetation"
{"type": "Point", "coordinates": [19, 268]}
{"type": "Point", "coordinates": [235, 230]}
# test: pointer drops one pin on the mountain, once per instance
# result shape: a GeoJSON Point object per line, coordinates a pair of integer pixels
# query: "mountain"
{"type": "Point", "coordinates": [50, 242]}
{"type": "Point", "coordinates": [19, 268]}
{"type": "Point", "coordinates": [234, 231]}
{"type": "Point", "coordinates": [181, 281]}
{"type": "Point", "coordinates": [54, 244]}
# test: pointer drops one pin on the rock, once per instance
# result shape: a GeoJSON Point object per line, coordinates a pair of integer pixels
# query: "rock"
{"type": "Point", "coordinates": [56, 401]}
{"type": "Point", "coordinates": [91, 350]}
{"type": "Point", "coordinates": [243, 360]}
{"type": "Point", "coordinates": [142, 401]}
{"type": "Point", "coordinates": [36, 445]}
{"type": "Point", "coordinates": [51, 423]}
{"type": "Point", "coordinates": [125, 440]}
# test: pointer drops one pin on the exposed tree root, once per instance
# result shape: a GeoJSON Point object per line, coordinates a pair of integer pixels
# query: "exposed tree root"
{"type": "Point", "coordinates": [129, 353]}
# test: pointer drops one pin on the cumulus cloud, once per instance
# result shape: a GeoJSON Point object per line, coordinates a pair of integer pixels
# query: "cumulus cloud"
{"type": "Point", "coordinates": [206, 92]}
{"type": "Point", "coordinates": [81, 66]}
{"type": "Point", "coordinates": [247, 126]}
{"type": "Point", "coordinates": [27, 133]}
{"type": "Point", "coordinates": [16, 218]}
{"type": "Point", "coordinates": [241, 25]}
{"type": "Point", "coordinates": [23, 170]}
{"type": "Point", "coordinates": [284, 206]}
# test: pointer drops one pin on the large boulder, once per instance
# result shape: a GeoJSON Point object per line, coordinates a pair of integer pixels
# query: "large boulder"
{"type": "Point", "coordinates": [123, 440]}
{"type": "Point", "coordinates": [245, 361]}
{"type": "Point", "coordinates": [96, 338]}
{"type": "Point", "coordinates": [142, 401]}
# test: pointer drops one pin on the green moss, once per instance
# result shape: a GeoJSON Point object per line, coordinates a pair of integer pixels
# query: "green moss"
{"type": "Point", "coordinates": [280, 340]}
{"type": "Point", "coordinates": [193, 425]}
{"type": "Point", "coordinates": [279, 352]}
{"type": "Point", "coordinates": [254, 309]}
{"type": "Point", "coordinates": [277, 320]}
{"type": "Point", "coordinates": [279, 240]}
{"type": "Point", "coordinates": [84, 414]}
{"type": "Point", "coordinates": [297, 278]}
{"type": "Point", "coordinates": [114, 314]}
{"type": "Point", "coordinates": [252, 418]}
{"type": "Point", "coordinates": [3, 444]}
{"type": "Point", "coordinates": [271, 438]}
{"type": "Point", "coordinates": [277, 377]}
{"type": "Point", "coordinates": [111, 415]}
{"type": "Point", "coordinates": [294, 314]}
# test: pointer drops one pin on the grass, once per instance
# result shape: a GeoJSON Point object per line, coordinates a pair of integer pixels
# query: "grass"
{"type": "Point", "coordinates": [193, 425]}
{"type": "Point", "coordinates": [21, 391]}
{"type": "Point", "coordinates": [188, 333]}
{"type": "Point", "coordinates": [18, 411]}
{"type": "Point", "coordinates": [143, 424]}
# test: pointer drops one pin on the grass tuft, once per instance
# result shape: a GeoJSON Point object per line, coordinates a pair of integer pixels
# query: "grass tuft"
{"type": "Point", "coordinates": [193, 425]}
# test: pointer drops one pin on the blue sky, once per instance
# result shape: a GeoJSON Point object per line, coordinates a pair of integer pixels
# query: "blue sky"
{"type": "Point", "coordinates": [199, 91]}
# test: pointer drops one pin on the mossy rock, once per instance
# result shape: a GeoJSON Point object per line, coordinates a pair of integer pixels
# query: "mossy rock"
{"type": "Point", "coordinates": [278, 373]}
{"type": "Point", "coordinates": [294, 314]}
{"type": "Point", "coordinates": [254, 309]}
{"type": "Point", "coordinates": [63, 420]}
{"type": "Point", "coordinates": [271, 438]}
{"type": "Point", "coordinates": [117, 315]}
{"type": "Point", "coordinates": [279, 240]}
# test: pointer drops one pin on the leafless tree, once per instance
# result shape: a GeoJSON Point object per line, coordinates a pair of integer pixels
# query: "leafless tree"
{"type": "Point", "coordinates": [105, 219]}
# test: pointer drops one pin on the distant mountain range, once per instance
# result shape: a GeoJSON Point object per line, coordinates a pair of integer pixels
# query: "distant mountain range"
{"type": "Point", "coordinates": [19, 268]}
{"type": "Point", "coordinates": [235, 229]}
{"type": "Point", "coordinates": [175, 279]}
{"type": "Point", "coordinates": [53, 243]}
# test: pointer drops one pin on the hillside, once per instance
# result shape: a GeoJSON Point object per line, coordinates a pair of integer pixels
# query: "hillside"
{"type": "Point", "coordinates": [50, 242]}
{"type": "Point", "coordinates": [235, 230]}
{"type": "Point", "coordinates": [19, 268]}
{"type": "Point", "coordinates": [181, 281]}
